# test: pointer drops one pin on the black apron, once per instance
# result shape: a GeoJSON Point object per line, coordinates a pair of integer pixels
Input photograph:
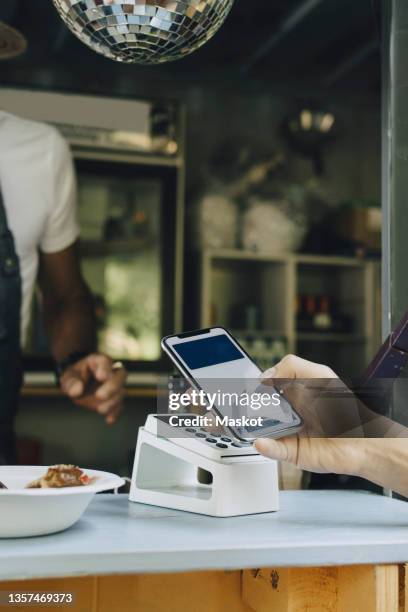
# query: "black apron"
{"type": "Point", "coordinates": [10, 351]}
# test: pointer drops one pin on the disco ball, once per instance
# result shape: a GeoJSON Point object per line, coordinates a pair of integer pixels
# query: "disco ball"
{"type": "Point", "coordinates": [144, 31]}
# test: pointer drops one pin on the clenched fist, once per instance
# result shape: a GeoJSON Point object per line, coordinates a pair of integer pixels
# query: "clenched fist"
{"type": "Point", "coordinates": [97, 383]}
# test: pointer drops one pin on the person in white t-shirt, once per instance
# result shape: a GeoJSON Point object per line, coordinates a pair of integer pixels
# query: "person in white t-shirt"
{"type": "Point", "coordinates": [38, 205]}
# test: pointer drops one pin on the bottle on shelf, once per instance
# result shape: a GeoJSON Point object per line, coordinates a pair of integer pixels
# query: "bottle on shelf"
{"type": "Point", "coordinates": [306, 308]}
{"type": "Point", "coordinates": [323, 320]}
{"type": "Point", "coordinates": [245, 316]}
{"type": "Point", "coordinates": [321, 314]}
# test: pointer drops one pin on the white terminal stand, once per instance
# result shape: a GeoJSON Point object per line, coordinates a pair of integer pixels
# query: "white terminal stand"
{"type": "Point", "coordinates": [190, 473]}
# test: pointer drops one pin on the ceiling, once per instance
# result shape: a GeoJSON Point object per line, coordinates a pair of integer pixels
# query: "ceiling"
{"type": "Point", "coordinates": [307, 46]}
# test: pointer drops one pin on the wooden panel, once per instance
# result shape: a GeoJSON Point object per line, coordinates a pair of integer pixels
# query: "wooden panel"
{"type": "Point", "coordinates": [198, 592]}
{"type": "Point", "coordinates": [287, 590]}
{"type": "Point", "coordinates": [403, 588]}
{"type": "Point", "coordinates": [329, 589]}
{"type": "Point", "coordinates": [343, 589]}
{"type": "Point", "coordinates": [83, 588]}
{"type": "Point", "coordinates": [368, 588]}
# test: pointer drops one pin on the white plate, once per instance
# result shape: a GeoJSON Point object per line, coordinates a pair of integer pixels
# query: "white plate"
{"type": "Point", "coordinates": [34, 512]}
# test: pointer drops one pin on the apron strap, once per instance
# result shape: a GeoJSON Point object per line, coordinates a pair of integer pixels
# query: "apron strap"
{"type": "Point", "coordinates": [3, 218]}
{"type": "Point", "coordinates": [10, 356]}
{"type": "Point", "coordinates": [9, 263]}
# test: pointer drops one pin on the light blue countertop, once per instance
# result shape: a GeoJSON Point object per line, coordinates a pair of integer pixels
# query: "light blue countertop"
{"type": "Point", "coordinates": [312, 528]}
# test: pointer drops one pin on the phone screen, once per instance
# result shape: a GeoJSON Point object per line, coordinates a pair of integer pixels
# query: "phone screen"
{"type": "Point", "coordinates": [214, 361]}
{"type": "Point", "coordinates": [216, 356]}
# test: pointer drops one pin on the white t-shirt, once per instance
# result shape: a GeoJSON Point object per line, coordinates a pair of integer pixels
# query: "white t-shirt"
{"type": "Point", "coordinates": [39, 191]}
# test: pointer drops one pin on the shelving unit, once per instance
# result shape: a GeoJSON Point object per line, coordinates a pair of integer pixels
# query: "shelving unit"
{"type": "Point", "coordinates": [272, 282]}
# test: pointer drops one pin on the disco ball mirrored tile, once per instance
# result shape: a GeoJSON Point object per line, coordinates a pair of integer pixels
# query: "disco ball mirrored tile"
{"type": "Point", "coordinates": [144, 31]}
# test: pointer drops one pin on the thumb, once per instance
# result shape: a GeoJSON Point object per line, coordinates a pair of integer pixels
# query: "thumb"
{"type": "Point", "coordinates": [100, 365]}
{"type": "Point", "coordinates": [292, 366]}
{"type": "Point", "coordinates": [276, 449]}
{"type": "Point", "coordinates": [72, 383]}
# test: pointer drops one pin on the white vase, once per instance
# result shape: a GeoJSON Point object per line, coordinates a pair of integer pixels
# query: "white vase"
{"type": "Point", "coordinates": [268, 228]}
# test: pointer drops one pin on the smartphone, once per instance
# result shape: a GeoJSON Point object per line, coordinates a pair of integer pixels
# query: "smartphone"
{"type": "Point", "coordinates": [376, 385]}
{"type": "Point", "coordinates": [392, 356]}
{"type": "Point", "coordinates": [213, 362]}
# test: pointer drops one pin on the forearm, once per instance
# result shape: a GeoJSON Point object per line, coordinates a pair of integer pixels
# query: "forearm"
{"type": "Point", "coordinates": [71, 325]}
{"type": "Point", "coordinates": [386, 463]}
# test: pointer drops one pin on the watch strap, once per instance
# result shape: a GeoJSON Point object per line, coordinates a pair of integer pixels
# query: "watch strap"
{"type": "Point", "coordinates": [70, 360]}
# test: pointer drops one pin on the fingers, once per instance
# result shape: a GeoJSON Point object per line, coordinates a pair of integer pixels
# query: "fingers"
{"type": "Point", "coordinates": [74, 380]}
{"type": "Point", "coordinates": [292, 366]}
{"type": "Point", "coordinates": [111, 410]}
{"type": "Point", "coordinates": [109, 396]}
{"type": "Point", "coordinates": [284, 449]}
{"type": "Point", "coordinates": [328, 455]}
{"type": "Point", "coordinates": [105, 395]}
{"type": "Point", "coordinates": [72, 383]}
{"type": "Point", "coordinates": [109, 406]}
{"type": "Point", "coordinates": [195, 397]}
{"type": "Point", "coordinates": [269, 375]}
{"type": "Point", "coordinates": [212, 424]}
{"type": "Point", "coordinates": [113, 385]}
{"type": "Point", "coordinates": [100, 365]}
{"type": "Point", "coordinates": [300, 382]}
{"type": "Point", "coordinates": [274, 449]}
{"type": "Point", "coordinates": [114, 414]}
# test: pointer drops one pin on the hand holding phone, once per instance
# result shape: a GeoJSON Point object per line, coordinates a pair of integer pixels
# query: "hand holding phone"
{"type": "Point", "coordinates": [218, 367]}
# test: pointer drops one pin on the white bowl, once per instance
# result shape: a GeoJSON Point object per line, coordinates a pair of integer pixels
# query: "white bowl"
{"type": "Point", "coordinates": [35, 512]}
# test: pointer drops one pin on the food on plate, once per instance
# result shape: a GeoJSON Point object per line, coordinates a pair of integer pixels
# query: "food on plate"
{"type": "Point", "coordinates": [2, 486]}
{"type": "Point", "coordinates": [59, 476]}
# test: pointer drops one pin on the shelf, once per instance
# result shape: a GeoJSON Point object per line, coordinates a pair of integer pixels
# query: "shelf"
{"type": "Point", "coordinates": [90, 248]}
{"type": "Point", "coordinates": [275, 334]}
{"type": "Point", "coordinates": [271, 282]}
{"type": "Point", "coordinates": [297, 258]}
{"type": "Point", "coordinates": [330, 260]}
{"type": "Point", "coordinates": [301, 336]}
{"type": "Point", "coordinates": [53, 392]}
{"type": "Point", "coordinates": [139, 385]}
{"type": "Point", "coordinates": [240, 255]}
{"type": "Point", "coordinates": [328, 337]}
{"type": "Point", "coordinates": [130, 157]}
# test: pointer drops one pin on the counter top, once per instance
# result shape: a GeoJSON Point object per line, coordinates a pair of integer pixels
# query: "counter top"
{"type": "Point", "coordinates": [313, 528]}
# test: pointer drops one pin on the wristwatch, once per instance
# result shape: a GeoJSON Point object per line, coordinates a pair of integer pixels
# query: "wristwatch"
{"type": "Point", "coordinates": [72, 358]}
